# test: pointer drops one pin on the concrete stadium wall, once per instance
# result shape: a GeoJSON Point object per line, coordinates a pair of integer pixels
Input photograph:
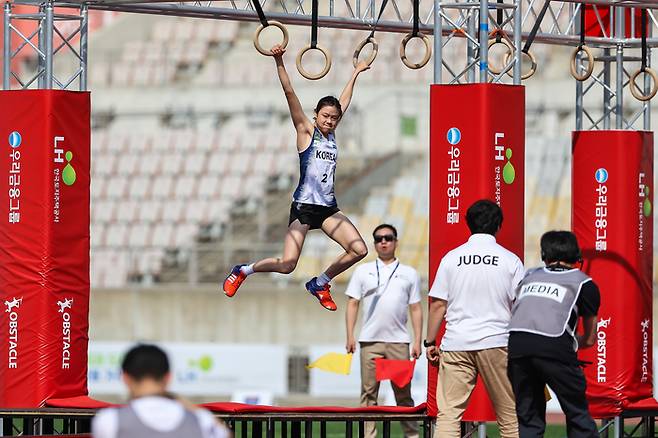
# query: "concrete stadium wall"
{"type": "Point", "coordinates": [261, 312]}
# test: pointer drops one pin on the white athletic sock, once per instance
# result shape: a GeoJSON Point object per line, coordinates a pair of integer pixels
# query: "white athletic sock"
{"type": "Point", "coordinates": [323, 279]}
{"type": "Point", "coordinates": [247, 269]}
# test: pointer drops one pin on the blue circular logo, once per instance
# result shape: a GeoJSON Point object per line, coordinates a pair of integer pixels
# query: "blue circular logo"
{"type": "Point", "coordinates": [14, 139]}
{"type": "Point", "coordinates": [454, 136]}
{"type": "Point", "coordinates": [601, 175]}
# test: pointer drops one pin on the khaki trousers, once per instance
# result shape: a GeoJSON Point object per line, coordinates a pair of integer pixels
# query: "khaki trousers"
{"type": "Point", "coordinates": [458, 371]}
{"type": "Point", "coordinates": [370, 351]}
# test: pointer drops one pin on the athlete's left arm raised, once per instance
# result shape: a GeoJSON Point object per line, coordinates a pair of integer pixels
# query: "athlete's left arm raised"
{"type": "Point", "coordinates": [346, 95]}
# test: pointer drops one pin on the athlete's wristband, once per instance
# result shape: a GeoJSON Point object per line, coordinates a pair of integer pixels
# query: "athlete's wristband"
{"type": "Point", "coordinates": [427, 343]}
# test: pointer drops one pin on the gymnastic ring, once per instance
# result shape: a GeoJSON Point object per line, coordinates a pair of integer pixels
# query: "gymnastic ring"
{"type": "Point", "coordinates": [403, 51]}
{"type": "Point", "coordinates": [590, 63]}
{"type": "Point", "coordinates": [533, 66]}
{"type": "Point", "coordinates": [357, 52]}
{"type": "Point", "coordinates": [327, 63]}
{"type": "Point", "coordinates": [260, 28]}
{"type": "Point", "coordinates": [635, 89]}
{"type": "Point", "coordinates": [510, 49]}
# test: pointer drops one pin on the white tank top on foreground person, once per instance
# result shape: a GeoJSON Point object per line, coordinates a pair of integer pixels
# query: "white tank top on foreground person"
{"type": "Point", "coordinates": [152, 411]}
{"type": "Point", "coordinates": [156, 416]}
{"type": "Point", "coordinates": [317, 171]}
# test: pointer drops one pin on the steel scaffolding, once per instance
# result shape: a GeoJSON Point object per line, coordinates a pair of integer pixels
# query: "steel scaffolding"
{"type": "Point", "coordinates": [470, 25]}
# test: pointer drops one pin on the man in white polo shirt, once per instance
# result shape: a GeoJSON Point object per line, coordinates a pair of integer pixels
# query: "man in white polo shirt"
{"type": "Point", "coordinates": [388, 290]}
{"type": "Point", "coordinates": [474, 289]}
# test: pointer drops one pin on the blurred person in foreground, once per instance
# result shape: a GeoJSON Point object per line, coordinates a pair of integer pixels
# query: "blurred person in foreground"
{"type": "Point", "coordinates": [152, 411]}
{"type": "Point", "coordinates": [543, 340]}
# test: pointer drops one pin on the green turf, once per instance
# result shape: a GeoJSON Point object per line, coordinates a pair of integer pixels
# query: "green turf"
{"type": "Point", "coordinates": [552, 431]}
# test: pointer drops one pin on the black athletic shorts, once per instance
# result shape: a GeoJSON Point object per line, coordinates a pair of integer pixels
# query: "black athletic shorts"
{"type": "Point", "coordinates": [310, 214]}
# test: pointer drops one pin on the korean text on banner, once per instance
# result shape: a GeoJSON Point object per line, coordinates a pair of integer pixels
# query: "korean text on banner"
{"type": "Point", "coordinates": [476, 151]}
{"type": "Point", "coordinates": [44, 245]}
{"type": "Point", "coordinates": [612, 210]}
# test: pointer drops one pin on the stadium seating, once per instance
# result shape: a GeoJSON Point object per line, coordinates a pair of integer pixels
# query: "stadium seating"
{"type": "Point", "coordinates": [153, 190]}
{"type": "Point", "coordinates": [157, 184]}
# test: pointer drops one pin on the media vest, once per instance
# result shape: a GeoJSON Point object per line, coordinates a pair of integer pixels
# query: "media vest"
{"type": "Point", "coordinates": [130, 426]}
{"type": "Point", "coordinates": [545, 300]}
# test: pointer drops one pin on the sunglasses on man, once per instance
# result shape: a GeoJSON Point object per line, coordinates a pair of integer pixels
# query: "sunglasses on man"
{"type": "Point", "coordinates": [385, 237]}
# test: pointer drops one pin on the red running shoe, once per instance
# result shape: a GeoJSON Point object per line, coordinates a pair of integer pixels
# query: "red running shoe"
{"type": "Point", "coordinates": [234, 280]}
{"type": "Point", "coordinates": [321, 293]}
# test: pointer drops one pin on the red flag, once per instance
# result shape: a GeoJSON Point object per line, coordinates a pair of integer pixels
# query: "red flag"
{"type": "Point", "coordinates": [399, 372]}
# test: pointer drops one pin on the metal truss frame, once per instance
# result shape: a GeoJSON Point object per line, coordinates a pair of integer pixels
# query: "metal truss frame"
{"type": "Point", "coordinates": [610, 78]}
{"type": "Point", "coordinates": [472, 23]}
{"type": "Point", "coordinates": [475, 23]}
{"type": "Point", "coordinates": [51, 40]}
{"type": "Point", "coordinates": [468, 25]}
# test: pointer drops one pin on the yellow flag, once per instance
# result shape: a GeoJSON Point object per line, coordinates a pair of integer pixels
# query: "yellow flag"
{"type": "Point", "coordinates": [334, 363]}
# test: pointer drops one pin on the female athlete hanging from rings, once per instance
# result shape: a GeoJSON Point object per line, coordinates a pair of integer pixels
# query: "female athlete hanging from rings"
{"type": "Point", "coordinates": [313, 203]}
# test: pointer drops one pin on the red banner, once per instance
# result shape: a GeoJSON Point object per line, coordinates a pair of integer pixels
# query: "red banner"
{"type": "Point", "coordinates": [612, 217]}
{"type": "Point", "coordinates": [598, 19]}
{"type": "Point", "coordinates": [477, 151]}
{"type": "Point", "coordinates": [44, 245]}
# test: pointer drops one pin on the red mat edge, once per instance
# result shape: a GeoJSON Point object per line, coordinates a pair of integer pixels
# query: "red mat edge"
{"type": "Point", "coordinates": [86, 402]}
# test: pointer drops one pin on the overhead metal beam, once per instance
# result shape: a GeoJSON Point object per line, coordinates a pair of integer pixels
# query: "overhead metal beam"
{"type": "Point", "coordinates": [186, 10]}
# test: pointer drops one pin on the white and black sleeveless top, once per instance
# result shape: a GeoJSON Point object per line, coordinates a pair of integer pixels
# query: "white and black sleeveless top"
{"type": "Point", "coordinates": [545, 302]}
{"type": "Point", "coordinates": [317, 170]}
{"type": "Point", "coordinates": [130, 426]}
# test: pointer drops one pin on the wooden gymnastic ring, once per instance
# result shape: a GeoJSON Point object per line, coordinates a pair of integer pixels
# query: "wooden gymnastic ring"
{"type": "Point", "coordinates": [510, 50]}
{"type": "Point", "coordinates": [357, 52]}
{"type": "Point", "coordinates": [637, 91]}
{"type": "Point", "coordinates": [533, 66]}
{"type": "Point", "coordinates": [325, 70]}
{"type": "Point", "coordinates": [590, 63]}
{"type": "Point", "coordinates": [403, 51]}
{"type": "Point", "coordinates": [260, 28]}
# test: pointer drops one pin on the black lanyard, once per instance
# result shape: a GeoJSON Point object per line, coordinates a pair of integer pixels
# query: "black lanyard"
{"type": "Point", "coordinates": [261, 14]}
{"type": "Point", "coordinates": [414, 32]}
{"type": "Point", "coordinates": [644, 41]}
{"type": "Point", "coordinates": [314, 24]}
{"type": "Point", "coordinates": [381, 12]}
{"type": "Point", "coordinates": [389, 278]}
{"type": "Point", "coordinates": [535, 28]}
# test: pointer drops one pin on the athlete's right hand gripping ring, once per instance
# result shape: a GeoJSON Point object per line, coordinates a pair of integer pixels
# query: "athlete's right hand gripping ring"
{"type": "Point", "coordinates": [325, 70]}
{"type": "Point", "coordinates": [638, 92]}
{"type": "Point", "coordinates": [357, 52]}
{"type": "Point", "coordinates": [590, 63]}
{"type": "Point", "coordinates": [260, 28]}
{"type": "Point", "coordinates": [533, 66]}
{"type": "Point", "coordinates": [508, 54]}
{"type": "Point", "coordinates": [403, 51]}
